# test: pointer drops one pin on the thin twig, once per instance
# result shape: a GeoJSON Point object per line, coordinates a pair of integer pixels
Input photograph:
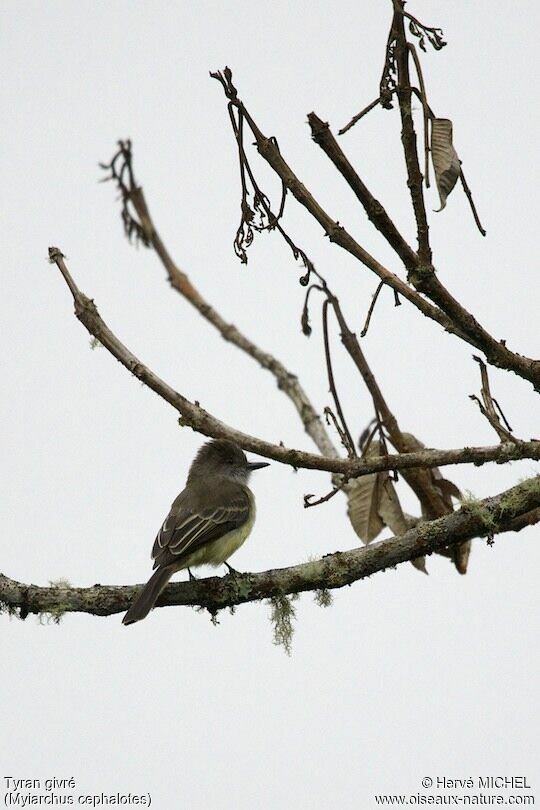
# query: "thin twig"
{"type": "Point", "coordinates": [331, 418]}
{"type": "Point", "coordinates": [344, 432]}
{"type": "Point", "coordinates": [260, 202]}
{"type": "Point", "coordinates": [286, 380]}
{"type": "Point", "coordinates": [304, 319]}
{"type": "Point", "coordinates": [425, 108]}
{"type": "Point", "coordinates": [358, 116]}
{"type": "Point", "coordinates": [467, 191]}
{"type": "Point", "coordinates": [418, 94]}
{"type": "Point", "coordinates": [365, 328]}
{"type": "Point", "coordinates": [501, 414]}
{"type": "Point", "coordinates": [419, 480]}
{"type": "Point", "coordinates": [487, 406]}
{"type": "Point", "coordinates": [408, 135]}
{"type": "Point", "coordinates": [308, 502]}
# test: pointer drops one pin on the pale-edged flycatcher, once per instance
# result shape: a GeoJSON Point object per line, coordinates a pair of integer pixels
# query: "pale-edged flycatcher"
{"type": "Point", "coordinates": [208, 521]}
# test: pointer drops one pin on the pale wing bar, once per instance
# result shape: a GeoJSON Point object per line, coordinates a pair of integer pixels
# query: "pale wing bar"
{"type": "Point", "coordinates": [177, 539]}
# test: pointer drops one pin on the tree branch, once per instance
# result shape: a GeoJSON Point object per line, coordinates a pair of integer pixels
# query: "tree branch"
{"type": "Point", "coordinates": [203, 422]}
{"type": "Point", "coordinates": [424, 278]}
{"type": "Point", "coordinates": [487, 517]}
{"type": "Point", "coordinates": [408, 134]}
{"type": "Point", "coordinates": [354, 120]}
{"type": "Point", "coordinates": [321, 134]}
{"type": "Point", "coordinates": [448, 312]}
{"type": "Point", "coordinates": [269, 150]}
{"type": "Point", "coordinates": [287, 382]}
{"type": "Point", "coordinates": [419, 480]}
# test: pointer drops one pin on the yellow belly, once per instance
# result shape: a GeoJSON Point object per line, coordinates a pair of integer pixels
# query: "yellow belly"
{"type": "Point", "coordinates": [216, 552]}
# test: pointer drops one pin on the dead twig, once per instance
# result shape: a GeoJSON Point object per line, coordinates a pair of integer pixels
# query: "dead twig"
{"type": "Point", "coordinates": [425, 110]}
{"type": "Point", "coordinates": [354, 120]}
{"type": "Point", "coordinates": [344, 431]}
{"type": "Point", "coordinates": [489, 407]}
{"type": "Point", "coordinates": [365, 328]}
{"type": "Point", "coordinates": [134, 205]}
{"type": "Point", "coordinates": [468, 194]}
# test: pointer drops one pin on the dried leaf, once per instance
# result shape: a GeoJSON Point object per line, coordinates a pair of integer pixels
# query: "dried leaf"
{"type": "Point", "coordinates": [363, 501]}
{"type": "Point", "coordinates": [447, 488]}
{"type": "Point", "coordinates": [460, 553]}
{"type": "Point", "coordinates": [446, 162]}
{"type": "Point", "coordinates": [461, 556]}
{"type": "Point", "coordinates": [362, 508]}
{"type": "Point", "coordinates": [373, 502]}
{"type": "Point", "coordinates": [390, 510]}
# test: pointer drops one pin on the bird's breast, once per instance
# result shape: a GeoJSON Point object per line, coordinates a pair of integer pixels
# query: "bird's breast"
{"type": "Point", "coordinates": [216, 552]}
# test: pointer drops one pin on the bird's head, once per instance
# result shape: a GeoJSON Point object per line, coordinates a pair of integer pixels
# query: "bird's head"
{"type": "Point", "coordinates": [223, 457]}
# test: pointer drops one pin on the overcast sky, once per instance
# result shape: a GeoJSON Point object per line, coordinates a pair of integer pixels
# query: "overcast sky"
{"type": "Point", "coordinates": [405, 676]}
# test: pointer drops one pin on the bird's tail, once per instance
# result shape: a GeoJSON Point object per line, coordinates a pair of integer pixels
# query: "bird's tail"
{"type": "Point", "coordinates": [146, 599]}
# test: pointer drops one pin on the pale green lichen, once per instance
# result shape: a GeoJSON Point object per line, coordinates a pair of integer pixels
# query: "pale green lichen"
{"type": "Point", "coordinates": [323, 597]}
{"type": "Point", "coordinates": [243, 585]}
{"type": "Point", "coordinates": [60, 583]}
{"type": "Point", "coordinates": [282, 617]}
{"type": "Point", "coordinates": [512, 503]}
{"type": "Point", "coordinates": [478, 510]}
{"type": "Point", "coordinates": [55, 612]}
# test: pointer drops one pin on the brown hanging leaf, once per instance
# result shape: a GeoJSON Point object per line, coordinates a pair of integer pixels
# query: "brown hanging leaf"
{"type": "Point", "coordinates": [393, 516]}
{"type": "Point", "coordinates": [373, 503]}
{"type": "Point", "coordinates": [446, 162]}
{"type": "Point", "coordinates": [390, 510]}
{"type": "Point", "coordinates": [458, 554]}
{"type": "Point", "coordinates": [461, 556]}
{"type": "Point", "coordinates": [363, 501]}
{"type": "Point", "coordinates": [447, 488]}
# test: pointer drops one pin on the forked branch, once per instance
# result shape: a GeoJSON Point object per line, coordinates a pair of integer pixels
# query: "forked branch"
{"type": "Point", "coordinates": [203, 422]}
{"type": "Point", "coordinates": [445, 309]}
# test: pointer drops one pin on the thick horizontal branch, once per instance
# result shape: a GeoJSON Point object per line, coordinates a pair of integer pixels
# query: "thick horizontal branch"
{"type": "Point", "coordinates": [479, 518]}
{"type": "Point", "coordinates": [203, 422]}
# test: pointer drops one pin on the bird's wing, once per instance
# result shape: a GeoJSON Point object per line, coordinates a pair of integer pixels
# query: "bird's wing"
{"type": "Point", "coordinates": [199, 515]}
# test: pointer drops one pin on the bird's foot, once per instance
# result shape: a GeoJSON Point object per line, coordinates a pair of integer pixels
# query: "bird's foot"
{"type": "Point", "coordinates": [232, 571]}
{"type": "Point", "coordinates": [191, 576]}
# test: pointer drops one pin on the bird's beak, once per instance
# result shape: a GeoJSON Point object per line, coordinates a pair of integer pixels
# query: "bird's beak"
{"type": "Point", "coordinates": [257, 465]}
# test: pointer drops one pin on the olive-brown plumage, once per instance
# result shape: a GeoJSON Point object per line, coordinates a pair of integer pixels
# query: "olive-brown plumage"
{"type": "Point", "coordinates": [207, 522]}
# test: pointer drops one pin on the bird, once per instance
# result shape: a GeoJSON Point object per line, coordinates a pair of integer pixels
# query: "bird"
{"type": "Point", "coordinates": [207, 522]}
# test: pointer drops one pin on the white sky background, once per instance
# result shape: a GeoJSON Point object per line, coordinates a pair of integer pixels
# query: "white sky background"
{"type": "Point", "coordinates": [405, 675]}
